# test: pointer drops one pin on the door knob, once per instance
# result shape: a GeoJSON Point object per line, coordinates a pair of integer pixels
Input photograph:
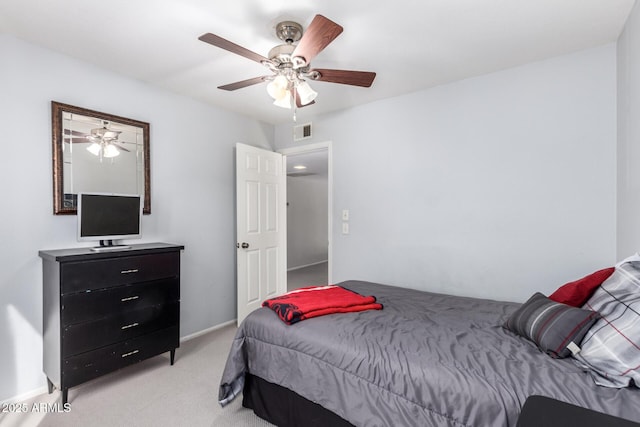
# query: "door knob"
{"type": "Point", "coordinates": [244, 245]}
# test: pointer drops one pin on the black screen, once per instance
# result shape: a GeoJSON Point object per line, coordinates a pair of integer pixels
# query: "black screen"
{"type": "Point", "coordinates": [109, 215]}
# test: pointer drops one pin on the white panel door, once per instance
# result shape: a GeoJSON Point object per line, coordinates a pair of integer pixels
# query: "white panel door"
{"type": "Point", "coordinates": [261, 227]}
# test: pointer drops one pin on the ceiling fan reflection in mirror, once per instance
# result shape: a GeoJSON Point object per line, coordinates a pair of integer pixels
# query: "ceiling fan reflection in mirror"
{"type": "Point", "coordinates": [291, 62]}
{"type": "Point", "coordinates": [104, 141]}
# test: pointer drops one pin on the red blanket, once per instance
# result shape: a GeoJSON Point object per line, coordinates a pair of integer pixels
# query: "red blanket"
{"type": "Point", "coordinates": [313, 301]}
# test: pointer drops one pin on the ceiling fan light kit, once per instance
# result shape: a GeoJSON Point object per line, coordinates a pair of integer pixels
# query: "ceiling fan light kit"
{"type": "Point", "coordinates": [291, 62]}
{"type": "Point", "coordinates": [103, 149]}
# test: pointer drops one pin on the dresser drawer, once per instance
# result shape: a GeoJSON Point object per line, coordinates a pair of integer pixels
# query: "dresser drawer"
{"type": "Point", "coordinates": [103, 273]}
{"type": "Point", "coordinates": [94, 305]}
{"type": "Point", "coordinates": [93, 364]}
{"type": "Point", "coordinates": [87, 336]}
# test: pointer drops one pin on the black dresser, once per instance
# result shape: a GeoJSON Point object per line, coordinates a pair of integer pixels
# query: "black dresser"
{"type": "Point", "coordinates": [106, 310]}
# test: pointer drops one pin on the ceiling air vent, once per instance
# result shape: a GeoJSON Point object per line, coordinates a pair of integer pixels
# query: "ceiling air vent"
{"type": "Point", "coordinates": [301, 132]}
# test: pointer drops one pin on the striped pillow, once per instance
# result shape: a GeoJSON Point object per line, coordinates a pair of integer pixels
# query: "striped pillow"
{"type": "Point", "coordinates": [551, 325]}
{"type": "Point", "coordinates": [611, 349]}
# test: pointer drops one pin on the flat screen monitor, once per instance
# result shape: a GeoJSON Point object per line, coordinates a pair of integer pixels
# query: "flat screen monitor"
{"type": "Point", "coordinates": [107, 217]}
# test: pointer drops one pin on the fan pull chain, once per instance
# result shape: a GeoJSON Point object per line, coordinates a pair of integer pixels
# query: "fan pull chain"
{"type": "Point", "coordinates": [295, 102]}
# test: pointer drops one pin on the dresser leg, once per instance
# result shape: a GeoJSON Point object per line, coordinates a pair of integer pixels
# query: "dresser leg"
{"type": "Point", "coordinates": [49, 385]}
{"type": "Point", "coordinates": [65, 395]}
{"type": "Point", "coordinates": [173, 356]}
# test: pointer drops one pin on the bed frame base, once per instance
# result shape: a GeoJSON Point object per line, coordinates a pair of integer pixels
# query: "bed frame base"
{"type": "Point", "coordinates": [285, 408]}
{"type": "Point", "coordinates": [544, 411]}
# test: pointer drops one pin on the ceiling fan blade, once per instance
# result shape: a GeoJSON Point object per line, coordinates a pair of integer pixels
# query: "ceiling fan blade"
{"type": "Point", "coordinates": [299, 103]}
{"type": "Point", "coordinates": [318, 35]}
{"type": "Point", "coordinates": [232, 47]}
{"type": "Point", "coordinates": [74, 133]}
{"type": "Point", "coordinates": [120, 147]}
{"type": "Point", "coordinates": [345, 77]}
{"type": "Point", "coordinates": [244, 83]}
{"type": "Point", "coordinates": [76, 139]}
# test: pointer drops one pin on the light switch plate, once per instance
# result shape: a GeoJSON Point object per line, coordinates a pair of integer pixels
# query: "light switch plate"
{"type": "Point", "coordinates": [345, 228]}
{"type": "Point", "coordinates": [345, 214]}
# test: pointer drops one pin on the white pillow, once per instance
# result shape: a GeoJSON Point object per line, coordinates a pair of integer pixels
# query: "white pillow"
{"type": "Point", "coordinates": [635, 257]}
{"type": "Point", "coordinates": [611, 348]}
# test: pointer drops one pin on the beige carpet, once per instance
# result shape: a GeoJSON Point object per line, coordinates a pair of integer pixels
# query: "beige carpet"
{"type": "Point", "coordinates": [151, 393]}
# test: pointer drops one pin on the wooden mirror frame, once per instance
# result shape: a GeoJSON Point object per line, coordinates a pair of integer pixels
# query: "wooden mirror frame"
{"type": "Point", "coordinates": [57, 110]}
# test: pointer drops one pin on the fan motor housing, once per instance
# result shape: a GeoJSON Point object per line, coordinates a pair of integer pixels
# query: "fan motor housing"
{"type": "Point", "coordinates": [282, 53]}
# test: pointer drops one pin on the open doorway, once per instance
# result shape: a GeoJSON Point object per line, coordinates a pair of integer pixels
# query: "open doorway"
{"type": "Point", "coordinates": [308, 218]}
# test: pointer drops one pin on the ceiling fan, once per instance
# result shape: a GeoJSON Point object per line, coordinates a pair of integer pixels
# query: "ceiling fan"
{"type": "Point", "coordinates": [104, 141]}
{"type": "Point", "coordinates": [291, 62]}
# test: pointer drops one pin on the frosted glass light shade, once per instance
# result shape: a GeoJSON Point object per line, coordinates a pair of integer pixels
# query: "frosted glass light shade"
{"type": "Point", "coordinates": [111, 151]}
{"type": "Point", "coordinates": [306, 93]}
{"type": "Point", "coordinates": [277, 88]}
{"type": "Point", "coordinates": [284, 102]}
{"type": "Point", "coordinates": [94, 149]}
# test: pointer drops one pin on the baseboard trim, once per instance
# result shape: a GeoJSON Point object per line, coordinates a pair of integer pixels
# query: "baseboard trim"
{"type": "Point", "coordinates": [43, 390]}
{"type": "Point", "coordinates": [25, 396]}
{"type": "Point", "coordinates": [206, 331]}
{"type": "Point", "coordinates": [307, 265]}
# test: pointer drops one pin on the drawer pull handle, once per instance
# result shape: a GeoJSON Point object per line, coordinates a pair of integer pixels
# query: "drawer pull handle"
{"type": "Point", "coordinates": [130, 353]}
{"type": "Point", "coordinates": [129, 298]}
{"type": "Point", "coordinates": [133, 270]}
{"type": "Point", "coordinates": [129, 326]}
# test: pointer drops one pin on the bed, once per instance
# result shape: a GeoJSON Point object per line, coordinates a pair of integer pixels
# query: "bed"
{"type": "Point", "coordinates": [426, 359]}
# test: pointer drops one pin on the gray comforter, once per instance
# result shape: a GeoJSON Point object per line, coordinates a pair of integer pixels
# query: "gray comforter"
{"type": "Point", "coordinates": [424, 360]}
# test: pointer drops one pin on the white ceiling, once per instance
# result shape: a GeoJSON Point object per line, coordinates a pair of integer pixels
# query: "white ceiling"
{"type": "Point", "coordinates": [410, 44]}
{"type": "Point", "coordinates": [315, 163]}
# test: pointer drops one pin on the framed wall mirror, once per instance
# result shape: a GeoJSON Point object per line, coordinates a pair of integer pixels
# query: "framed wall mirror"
{"type": "Point", "coordinates": [97, 152]}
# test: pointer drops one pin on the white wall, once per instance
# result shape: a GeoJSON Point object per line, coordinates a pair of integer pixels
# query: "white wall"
{"type": "Point", "coordinates": [307, 227]}
{"type": "Point", "coordinates": [192, 192]}
{"type": "Point", "coordinates": [495, 186]}
{"type": "Point", "coordinates": [629, 136]}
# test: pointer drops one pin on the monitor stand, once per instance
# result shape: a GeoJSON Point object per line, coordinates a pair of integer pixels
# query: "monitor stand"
{"type": "Point", "coordinates": [107, 245]}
